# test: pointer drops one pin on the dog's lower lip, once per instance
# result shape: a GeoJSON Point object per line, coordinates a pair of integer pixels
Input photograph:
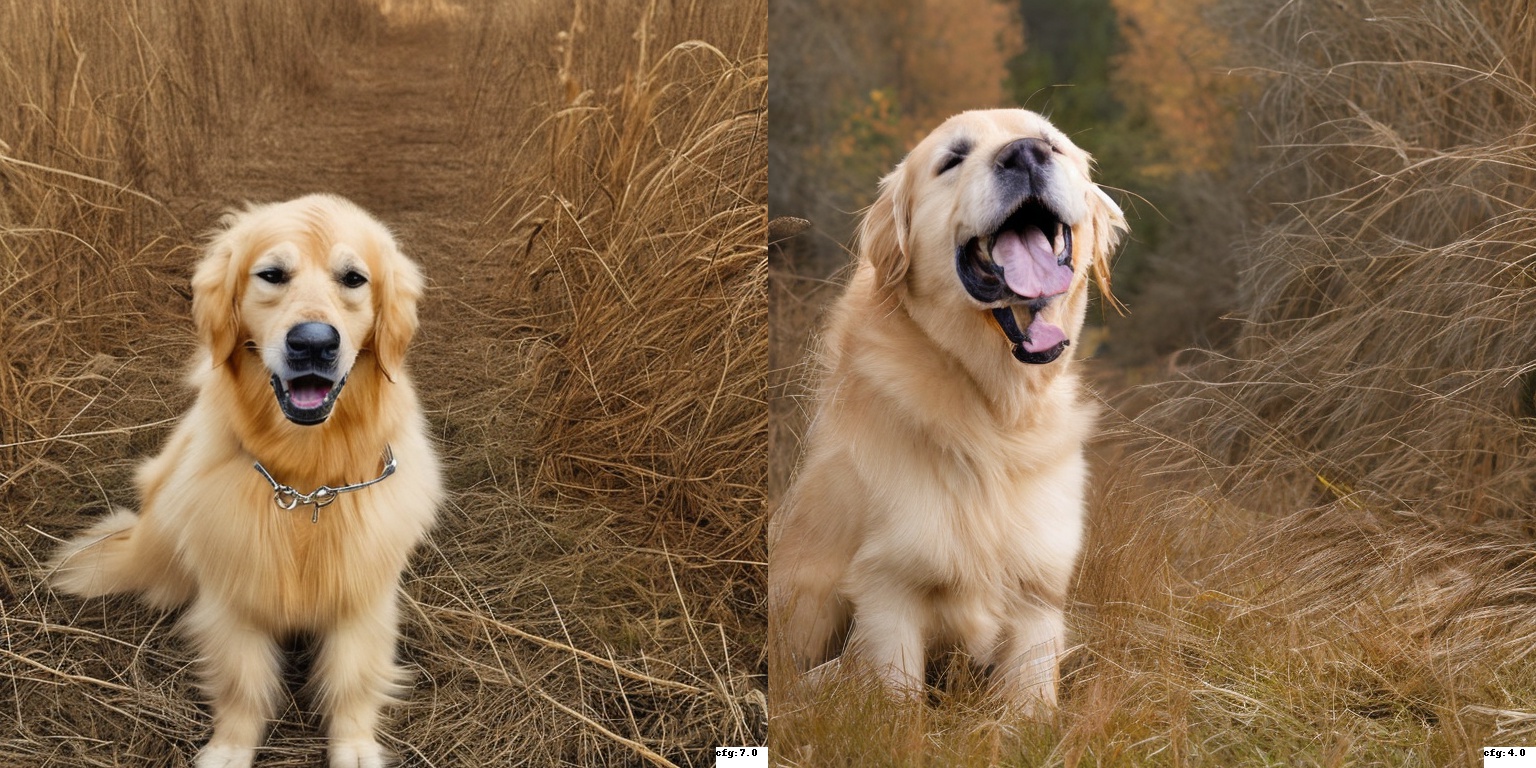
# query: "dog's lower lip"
{"type": "Point", "coordinates": [1020, 339]}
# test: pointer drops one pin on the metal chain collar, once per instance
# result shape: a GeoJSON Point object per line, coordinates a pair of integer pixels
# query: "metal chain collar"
{"type": "Point", "coordinates": [286, 497]}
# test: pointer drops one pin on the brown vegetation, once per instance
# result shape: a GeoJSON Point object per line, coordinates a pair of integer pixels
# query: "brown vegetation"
{"type": "Point", "coordinates": [585, 188]}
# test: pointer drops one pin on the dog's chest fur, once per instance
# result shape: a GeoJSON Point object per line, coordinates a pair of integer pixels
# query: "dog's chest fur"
{"type": "Point", "coordinates": [275, 566]}
{"type": "Point", "coordinates": [961, 504]}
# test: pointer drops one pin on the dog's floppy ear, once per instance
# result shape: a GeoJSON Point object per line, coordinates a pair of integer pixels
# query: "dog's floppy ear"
{"type": "Point", "coordinates": [395, 311]}
{"type": "Point", "coordinates": [1109, 227]}
{"type": "Point", "coordinates": [215, 286]}
{"type": "Point", "coordinates": [883, 235]}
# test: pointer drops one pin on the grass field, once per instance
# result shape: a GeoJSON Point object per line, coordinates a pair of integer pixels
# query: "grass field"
{"type": "Point", "coordinates": [1311, 547]}
{"type": "Point", "coordinates": [1315, 546]}
{"type": "Point", "coordinates": [584, 185]}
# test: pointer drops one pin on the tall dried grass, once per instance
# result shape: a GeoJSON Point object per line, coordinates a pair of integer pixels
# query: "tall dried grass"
{"type": "Point", "coordinates": [1386, 344]}
{"type": "Point", "coordinates": [662, 143]}
{"type": "Point", "coordinates": [1315, 548]}
{"type": "Point", "coordinates": [628, 179]}
{"type": "Point", "coordinates": [1358, 469]}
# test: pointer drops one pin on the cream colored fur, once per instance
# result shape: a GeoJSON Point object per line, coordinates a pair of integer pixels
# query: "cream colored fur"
{"type": "Point", "coordinates": [208, 533]}
{"type": "Point", "coordinates": [940, 498]}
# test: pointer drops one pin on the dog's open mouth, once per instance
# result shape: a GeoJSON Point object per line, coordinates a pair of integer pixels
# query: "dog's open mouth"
{"type": "Point", "coordinates": [1026, 261]}
{"type": "Point", "coordinates": [307, 399]}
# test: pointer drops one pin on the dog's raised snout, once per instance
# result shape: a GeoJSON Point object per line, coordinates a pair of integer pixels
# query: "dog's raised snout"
{"type": "Point", "coordinates": [1024, 155]}
{"type": "Point", "coordinates": [315, 343]}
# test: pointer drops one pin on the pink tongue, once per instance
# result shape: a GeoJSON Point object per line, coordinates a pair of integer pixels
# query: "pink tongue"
{"type": "Point", "coordinates": [309, 396]}
{"type": "Point", "coordinates": [1029, 265]}
{"type": "Point", "coordinates": [1042, 336]}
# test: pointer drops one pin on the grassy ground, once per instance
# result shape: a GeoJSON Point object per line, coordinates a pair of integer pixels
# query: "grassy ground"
{"type": "Point", "coordinates": [1313, 547]}
{"type": "Point", "coordinates": [584, 187]}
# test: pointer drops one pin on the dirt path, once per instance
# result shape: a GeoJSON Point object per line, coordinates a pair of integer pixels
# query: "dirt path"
{"type": "Point", "coordinates": [384, 134]}
{"type": "Point", "coordinates": [387, 133]}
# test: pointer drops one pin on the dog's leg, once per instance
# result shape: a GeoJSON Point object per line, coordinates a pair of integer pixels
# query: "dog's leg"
{"type": "Point", "coordinates": [811, 614]}
{"type": "Point", "coordinates": [1026, 664]}
{"type": "Point", "coordinates": [813, 537]}
{"type": "Point", "coordinates": [355, 676]}
{"type": "Point", "coordinates": [890, 628]}
{"type": "Point", "coordinates": [805, 618]}
{"type": "Point", "coordinates": [240, 676]}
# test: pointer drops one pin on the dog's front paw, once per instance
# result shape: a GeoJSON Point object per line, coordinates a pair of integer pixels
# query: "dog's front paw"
{"type": "Point", "coordinates": [224, 756]}
{"type": "Point", "coordinates": [358, 753]}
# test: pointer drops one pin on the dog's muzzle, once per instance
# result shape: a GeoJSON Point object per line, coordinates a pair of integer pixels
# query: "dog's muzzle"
{"type": "Point", "coordinates": [308, 388]}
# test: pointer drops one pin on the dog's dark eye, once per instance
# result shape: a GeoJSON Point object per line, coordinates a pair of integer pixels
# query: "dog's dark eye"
{"type": "Point", "coordinates": [273, 275]}
{"type": "Point", "coordinates": [956, 154]}
{"type": "Point", "coordinates": [353, 279]}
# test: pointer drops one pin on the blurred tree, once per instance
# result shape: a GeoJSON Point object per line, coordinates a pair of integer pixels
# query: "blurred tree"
{"type": "Point", "coordinates": [1180, 268]}
{"type": "Point", "coordinates": [853, 85]}
{"type": "Point", "coordinates": [1065, 70]}
{"type": "Point", "coordinates": [1180, 87]}
{"type": "Point", "coordinates": [1067, 73]}
{"type": "Point", "coordinates": [1135, 82]}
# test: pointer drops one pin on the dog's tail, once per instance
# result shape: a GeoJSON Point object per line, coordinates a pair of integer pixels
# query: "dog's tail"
{"type": "Point", "coordinates": [115, 556]}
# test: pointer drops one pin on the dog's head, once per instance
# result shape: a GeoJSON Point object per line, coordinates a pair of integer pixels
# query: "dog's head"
{"type": "Point", "coordinates": [311, 288]}
{"type": "Point", "coordinates": [995, 214]}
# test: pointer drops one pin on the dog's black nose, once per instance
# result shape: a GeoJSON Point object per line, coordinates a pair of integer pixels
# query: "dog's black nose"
{"type": "Point", "coordinates": [317, 344]}
{"type": "Point", "coordinates": [1024, 155]}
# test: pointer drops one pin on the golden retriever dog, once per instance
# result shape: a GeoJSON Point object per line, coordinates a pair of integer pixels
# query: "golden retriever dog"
{"type": "Point", "coordinates": [939, 501]}
{"type": "Point", "coordinates": [290, 495]}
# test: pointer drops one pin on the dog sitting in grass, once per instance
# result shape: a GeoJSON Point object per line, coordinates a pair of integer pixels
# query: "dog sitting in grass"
{"type": "Point", "coordinates": [290, 495]}
{"type": "Point", "coordinates": [940, 498]}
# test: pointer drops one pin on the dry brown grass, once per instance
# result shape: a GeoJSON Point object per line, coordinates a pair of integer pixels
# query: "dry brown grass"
{"type": "Point", "coordinates": [1387, 336]}
{"type": "Point", "coordinates": [592, 355]}
{"type": "Point", "coordinates": [1315, 548]}
{"type": "Point", "coordinates": [631, 282]}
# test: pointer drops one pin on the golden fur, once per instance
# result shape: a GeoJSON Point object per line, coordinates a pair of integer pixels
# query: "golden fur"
{"type": "Point", "coordinates": [939, 501]}
{"type": "Point", "coordinates": [209, 532]}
